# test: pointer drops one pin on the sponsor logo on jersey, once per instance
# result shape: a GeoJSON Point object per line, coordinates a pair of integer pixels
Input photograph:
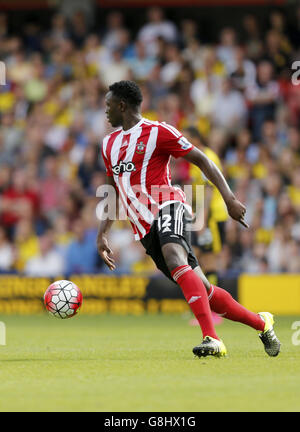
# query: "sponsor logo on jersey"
{"type": "Point", "coordinates": [184, 143]}
{"type": "Point", "coordinates": [123, 167]}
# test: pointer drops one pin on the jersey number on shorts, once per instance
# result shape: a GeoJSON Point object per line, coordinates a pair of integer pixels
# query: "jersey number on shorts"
{"type": "Point", "coordinates": [166, 223]}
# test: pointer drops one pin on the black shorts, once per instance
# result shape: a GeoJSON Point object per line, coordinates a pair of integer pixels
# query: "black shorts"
{"type": "Point", "coordinates": [168, 227]}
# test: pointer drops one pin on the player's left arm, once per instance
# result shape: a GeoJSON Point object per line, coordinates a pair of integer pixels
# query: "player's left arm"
{"type": "Point", "coordinates": [235, 208]}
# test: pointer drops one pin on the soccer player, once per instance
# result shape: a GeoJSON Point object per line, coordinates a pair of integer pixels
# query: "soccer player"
{"type": "Point", "coordinates": [136, 156]}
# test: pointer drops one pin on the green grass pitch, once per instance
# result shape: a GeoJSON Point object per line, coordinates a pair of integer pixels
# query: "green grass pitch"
{"type": "Point", "coordinates": [125, 363]}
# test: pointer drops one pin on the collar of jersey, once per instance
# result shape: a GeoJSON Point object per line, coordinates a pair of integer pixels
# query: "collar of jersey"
{"type": "Point", "coordinates": [133, 127]}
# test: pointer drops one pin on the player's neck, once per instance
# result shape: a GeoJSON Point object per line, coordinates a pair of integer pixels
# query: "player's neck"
{"type": "Point", "coordinates": [131, 121]}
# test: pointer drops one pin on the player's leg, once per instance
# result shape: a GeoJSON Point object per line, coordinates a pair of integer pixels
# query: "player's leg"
{"type": "Point", "coordinates": [222, 303]}
{"type": "Point", "coordinates": [206, 246]}
{"type": "Point", "coordinates": [193, 289]}
{"type": "Point", "coordinates": [180, 261]}
{"type": "Point", "coordinates": [195, 293]}
{"type": "Point", "coordinates": [169, 228]}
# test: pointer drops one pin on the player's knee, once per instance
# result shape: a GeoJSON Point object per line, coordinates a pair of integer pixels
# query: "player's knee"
{"type": "Point", "coordinates": [174, 256]}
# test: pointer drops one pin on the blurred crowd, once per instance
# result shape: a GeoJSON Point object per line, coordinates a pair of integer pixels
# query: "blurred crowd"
{"type": "Point", "coordinates": [237, 90]}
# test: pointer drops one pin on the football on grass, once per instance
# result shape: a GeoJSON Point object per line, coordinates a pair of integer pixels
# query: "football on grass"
{"type": "Point", "coordinates": [63, 299]}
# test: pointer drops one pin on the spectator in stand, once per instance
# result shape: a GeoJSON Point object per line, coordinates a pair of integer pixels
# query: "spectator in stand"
{"type": "Point", "coordinates": [157, 88]}
{"type": "Point", "coordinates": [87, 7]}
{"type": "Point", "coordinates": [271, 139]}
{"type": "Point", "coordinates": [193, 54]}
{"type": "Point", "coordinates": [294, 189]}
{"type": "Point", "coordinates": [117, 70]}
{"type": "Point", "coordinates": [97, 56]}
{"type": "Point", "coordinates": [293, 104]}
{"type": "Point", "coordinates": [271, 189]}
{"type": "Point", "coordinates": [62, 234]}
{"type": "Point", "coordinates": [32, 35]}
{"type": "Point", "coordinates": [188, 32]}
{"type": "Point", "coordinates": [36, 86]}
{"type": "Point", "coordinates": [240, 169]}
{"type": "Point", "coordinates": [126, 45]}
{"type": "Point", "coordinates": [111, 37]}
{"type": "Point", "coordinates": [53, 188]}
{"type": "Point", "coordinates": [11, 137]}
{"type": "Point", "coordinates": [82, 253]}
{"type": "Point", "coordinates": [48, 262]}
{"type": "Point", "coordinates": [5, 176]}
{"type": "Point", "coordinates": [20, 68]}
{"type": "Point", "coordinates": [95, 121]}
{"type": "Point", "coordinates": [275, 52]}
{"type": "Point", "coordinates": [243, 141]}
{"type": "Point", "coordinates": [141, 64]}
{"type": "Point", "coordinates": [156, 27]}
{"type": "Point", "coordinates": [263, 97]}
{"type": "Point", "coordinates": [205, 88]}
{"type": "Point", "coordinates": [243, 72]}
{"type": "Point", "coordinates": [173, 64]}
{"type": "Point", "coordinates": [275, 249]}
{"type": "Point", "coordinates": [252, 37]}
{"type": "Point", "coordinates": [226, 48]}
{"type": "Point", "coordinates": [128, 252]}
{"type": "Point", "coordinates": [170, 111]}
{"type": "Point", "coordinates": [78, 28]}
{"type": "Point", "coordinates": [18, 200]}
{"type": "Point", "coordinates": [278, 23]}
{"type": "Point", "coordinates": [6, 252]}
{"type": "Point", "coordinates": [58, 30]}
{"type": "Point", "coordinates": [291, 258]}
{"type": "Point", "coordinates": [88, 166]}
{"type": "Point", "coordinates": [230, 111]}
{"type": "Point", "coordinates": [27, 243]}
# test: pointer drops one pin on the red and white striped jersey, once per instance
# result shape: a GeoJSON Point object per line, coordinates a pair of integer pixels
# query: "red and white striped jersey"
{"type": "Point", "coordinates": [138, 159]}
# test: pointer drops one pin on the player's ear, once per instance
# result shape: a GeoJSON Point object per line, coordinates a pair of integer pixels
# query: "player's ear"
{"type": "Point", "coordinates": [122, 106]}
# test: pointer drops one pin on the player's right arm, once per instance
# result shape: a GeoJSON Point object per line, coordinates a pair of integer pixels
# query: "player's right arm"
{"type": "Point", "coordinates": [105, 225]}
{"type": "Point", "coordinates": [173, 143]}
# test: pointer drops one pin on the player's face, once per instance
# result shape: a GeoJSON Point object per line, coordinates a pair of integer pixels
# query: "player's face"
{"type": "Point", "coordinates": [113, 110]}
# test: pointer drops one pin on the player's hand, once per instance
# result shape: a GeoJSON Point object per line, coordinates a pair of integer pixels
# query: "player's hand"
{"type": "Point", "coordinates": [105, 252]}
{"type": "Point", "coordinates": [237, 211]}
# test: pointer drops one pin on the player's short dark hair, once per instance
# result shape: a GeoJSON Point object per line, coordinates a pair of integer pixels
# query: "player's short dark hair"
{"type": "Point", "coordinates": [128, 91]}
{"type": "Point", "coordinates": [195, 133]}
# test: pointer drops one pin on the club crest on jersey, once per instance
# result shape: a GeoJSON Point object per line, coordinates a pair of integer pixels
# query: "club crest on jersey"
{"type": "Point", "coordinates": [140, 148]}
{"type": "Point", "coordinates": [123, 167]}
